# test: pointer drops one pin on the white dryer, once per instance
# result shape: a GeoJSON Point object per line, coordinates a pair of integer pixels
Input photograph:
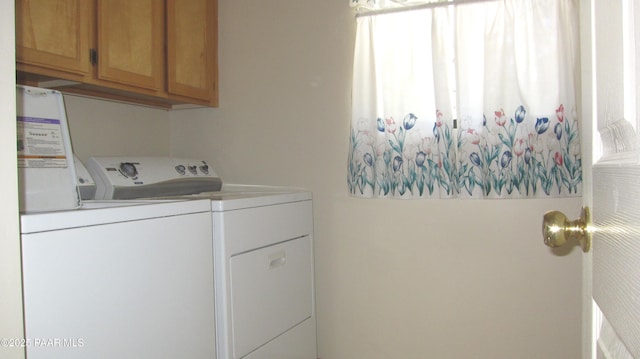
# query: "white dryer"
{"type": "Point", "coordinates": [262, 249]}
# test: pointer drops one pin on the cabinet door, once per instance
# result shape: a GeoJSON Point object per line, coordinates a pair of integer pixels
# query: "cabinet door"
{"type": "Point", "coordinates": [130, 42]}
{"type": "Point", "coordinates": [191, 49]}
{"type": "Point", "coordinates": [54, 34]}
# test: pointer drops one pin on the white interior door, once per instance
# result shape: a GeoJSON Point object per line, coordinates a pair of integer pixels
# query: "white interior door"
{"type": "Point", "coordinates": [615, 188]}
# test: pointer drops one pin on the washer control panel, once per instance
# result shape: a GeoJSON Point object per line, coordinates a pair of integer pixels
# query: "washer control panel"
{"type": "Point", "coordinates": [148, 177]}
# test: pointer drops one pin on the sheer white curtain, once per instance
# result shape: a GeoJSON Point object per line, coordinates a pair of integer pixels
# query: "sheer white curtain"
{"type": "Point", "coordinates": [474, 100]}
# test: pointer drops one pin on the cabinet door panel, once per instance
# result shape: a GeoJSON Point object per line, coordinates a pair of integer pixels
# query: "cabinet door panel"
{"type": "Point", "coordinates": [54, 34]}
{"type": "Point", "coordinates": [130, 42]}
{"type": "Point", "coordinates": [191, 49]}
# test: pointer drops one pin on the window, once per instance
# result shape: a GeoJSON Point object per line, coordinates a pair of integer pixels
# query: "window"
{"type": "Point", "coordinates": [476, 100]}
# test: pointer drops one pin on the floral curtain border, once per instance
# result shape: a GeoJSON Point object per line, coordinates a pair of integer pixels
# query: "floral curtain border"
{"type": "Point", "coordinates": [505, 158]}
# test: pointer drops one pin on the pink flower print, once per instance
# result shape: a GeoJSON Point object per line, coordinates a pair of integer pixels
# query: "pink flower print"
{"type": "Point", "coordinates": [558, 159]}
{"type": "Point", "coordinates": [519, 146]}
{"type": "Point", "coordinates": [473, 135]}
{"type": "Point", "coordinates": [438, 118]}
{"type": "Point", "coordinates": [500, 117]}
{"type": "Point", "coordinates": [391, 125]}
{"type": "Point", "coordinates": [560, 113]}
{"type": "Point", "coordinates": [363, 126]}
{"type": "Point", "coordinates": [436, 159]}
{"type": "Point", "coordinates": [535, 143]}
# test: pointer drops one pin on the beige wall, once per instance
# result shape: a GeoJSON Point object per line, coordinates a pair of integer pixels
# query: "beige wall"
{"type": "Point", "coordinates": [105, 128]}
{"type": "Point", "coordinates": [395, 279]}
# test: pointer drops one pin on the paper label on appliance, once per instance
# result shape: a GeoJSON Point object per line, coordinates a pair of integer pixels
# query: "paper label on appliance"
{"type": "Point", "coordinates": [40, 143]}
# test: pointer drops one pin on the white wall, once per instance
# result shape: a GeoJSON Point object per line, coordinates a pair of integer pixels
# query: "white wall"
{"type": "Point", "coordinates": [395, 279]}
{"type": "Point", "coordinates": [10, 274]}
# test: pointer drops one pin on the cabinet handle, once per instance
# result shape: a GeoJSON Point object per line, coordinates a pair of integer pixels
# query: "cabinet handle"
{"type": "Point", "coordinates": [93, 56]}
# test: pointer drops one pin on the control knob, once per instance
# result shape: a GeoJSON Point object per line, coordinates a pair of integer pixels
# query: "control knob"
{"type": "Point", "coordinates": [128, 169]}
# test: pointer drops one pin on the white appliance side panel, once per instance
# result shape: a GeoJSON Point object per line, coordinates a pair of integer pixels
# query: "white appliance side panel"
{"type": "Point", "coordinates": [271, 291]}
{"type": "Point", "coordinates": [141, 289]}
{"type": "Point", "coordinates": [251, 228]}
{"type": "Point", "coordinates": [46, 170]}
{"type": "Point", "coordinates": [297, 343]}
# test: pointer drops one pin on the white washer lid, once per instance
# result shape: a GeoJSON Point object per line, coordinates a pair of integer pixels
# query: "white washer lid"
{"type": "Point", "coordinates": [94, 213]}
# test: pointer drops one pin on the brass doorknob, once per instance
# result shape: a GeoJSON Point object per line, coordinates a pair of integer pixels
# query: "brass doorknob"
{"type": "Point", "coordinates": [557, 229]}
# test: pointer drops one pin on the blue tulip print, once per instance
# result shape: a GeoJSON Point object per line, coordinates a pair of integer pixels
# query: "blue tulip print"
{"type": "Point", "coordinates": [396, 159]}
{"type": "Point", "coordinates": [506, 156]}
{"type": "Point", "coordinates": [523, 161]}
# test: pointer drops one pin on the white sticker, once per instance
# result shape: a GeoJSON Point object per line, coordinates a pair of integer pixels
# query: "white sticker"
{"type": "Point", "coordinates": [40, 143]}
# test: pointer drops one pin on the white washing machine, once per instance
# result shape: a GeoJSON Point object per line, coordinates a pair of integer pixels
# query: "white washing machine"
{"type": "Point", "coordinates": [119, 280]}
{"type": "Point", "coordinates": [262, 249]}
{"type": "Point", "coordinates": [104, 280]}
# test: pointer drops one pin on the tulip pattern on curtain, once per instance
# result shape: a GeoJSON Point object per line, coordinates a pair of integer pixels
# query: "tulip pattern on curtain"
{"type": "Point", "coordinates": [472, 101]}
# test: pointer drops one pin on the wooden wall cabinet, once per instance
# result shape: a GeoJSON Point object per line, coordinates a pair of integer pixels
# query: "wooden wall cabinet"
{"type": "Point", "coordinates": [54, 35]}
{"type": "Point", "coordinates": [130, 47]}
{"type": "Point", "coordinates": [191, 41]}
{"type": "Point", "coordinates": [160, 53]}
